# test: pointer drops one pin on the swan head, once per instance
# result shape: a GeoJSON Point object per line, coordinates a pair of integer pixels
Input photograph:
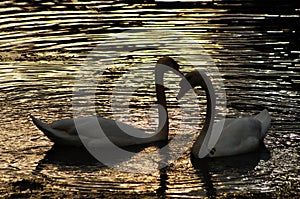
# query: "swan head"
{"type": "Point", "coordinates": [190, 81]}
{"type": "Point", "coordinates": [168, 61]}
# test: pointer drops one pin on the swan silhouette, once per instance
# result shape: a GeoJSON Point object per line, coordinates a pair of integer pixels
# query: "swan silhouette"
{"type": "Point", "coordinates": [64, 132]}
{"type": "Point", "coordinates": [238, 136]}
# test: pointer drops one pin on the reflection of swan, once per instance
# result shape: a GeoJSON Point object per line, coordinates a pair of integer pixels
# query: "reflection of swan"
{"type": "Point", "coordinates": [64, 132]}
{"type": "Point", "coordinates": [62, 155]}
{"type": "Point", "coordinates": [214, 171]}
{"type": "Point", "coordinates": [241, 163]}
{"type": "Point", "coordinates": [238, 135]}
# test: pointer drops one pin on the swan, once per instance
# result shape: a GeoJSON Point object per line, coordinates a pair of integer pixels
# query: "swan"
{"type": "Point", "coordinates": [238, 136]}
{"type": "Point", "coordinates": [64, 132]}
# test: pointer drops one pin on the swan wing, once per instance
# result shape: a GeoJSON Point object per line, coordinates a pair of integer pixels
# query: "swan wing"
{"type": "Point", "coordinates": [57, 135]}
{"type": "Point", "coordinates": [242, 135]}
{"type": "Point", "coordinates": [238, 136]}
{"type": "Point", "coordinates": [95, 131]}
{"type": "Point", "coordinates": [102, 132]}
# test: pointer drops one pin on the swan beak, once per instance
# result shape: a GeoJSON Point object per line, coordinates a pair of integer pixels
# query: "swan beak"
{"type": "Point", "coordinates": [183, 90]}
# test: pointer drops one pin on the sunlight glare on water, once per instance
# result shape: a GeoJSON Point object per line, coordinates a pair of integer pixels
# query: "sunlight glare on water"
{"type": "Point", "coordinates": [43, 47]}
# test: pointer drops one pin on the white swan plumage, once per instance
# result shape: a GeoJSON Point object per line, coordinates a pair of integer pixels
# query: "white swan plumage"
{"type": "Point", "coordinates": [65, 132]}
{"type": "Point", "coordinates": [238, 136]}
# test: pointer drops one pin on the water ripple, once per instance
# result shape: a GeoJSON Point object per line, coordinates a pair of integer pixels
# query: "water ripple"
{"type": "Point", "coordinates": [43, 44]}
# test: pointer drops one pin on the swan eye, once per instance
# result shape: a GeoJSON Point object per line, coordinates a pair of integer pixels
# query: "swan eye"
{"type": "Point", "coordinates": [212, 152]}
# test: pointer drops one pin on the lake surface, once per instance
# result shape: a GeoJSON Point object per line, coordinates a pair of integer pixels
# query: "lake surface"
{"type": "Point", "coordinates": [255, 46]}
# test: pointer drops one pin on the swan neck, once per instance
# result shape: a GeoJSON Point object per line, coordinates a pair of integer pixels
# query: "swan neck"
{"type": "Point", "coordinates": [200, 147]}
{"type": "Point", "coordinates": [163, 118]}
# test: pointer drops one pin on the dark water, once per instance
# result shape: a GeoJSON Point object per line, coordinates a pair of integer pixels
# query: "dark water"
{"type": "Point", "coordinates": [254, 44]}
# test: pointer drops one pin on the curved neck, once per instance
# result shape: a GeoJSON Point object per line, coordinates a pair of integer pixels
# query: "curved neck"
{"type": "Point", "coordinates": [163, 123]}
{"type": "Point", "coordinates": [200, 148]}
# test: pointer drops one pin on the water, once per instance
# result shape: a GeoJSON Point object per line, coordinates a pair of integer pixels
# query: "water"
{"type": "Point", "coordinates": [255, 45]}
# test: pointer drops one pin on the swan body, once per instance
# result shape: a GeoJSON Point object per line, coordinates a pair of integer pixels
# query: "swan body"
{"type": "Point", "coordinates": [65, 132]}
{"type": "Point", "coordinates": [238, 136]}
{"type": "Point", "coordinates": [241, 135]}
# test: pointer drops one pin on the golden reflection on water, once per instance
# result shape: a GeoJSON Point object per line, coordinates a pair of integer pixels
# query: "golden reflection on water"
{"type": "Point", "coordinates": [41, 55]}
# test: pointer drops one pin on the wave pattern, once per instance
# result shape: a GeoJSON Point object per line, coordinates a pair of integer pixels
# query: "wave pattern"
{"type": "Point", "coordinates": [43, 45]}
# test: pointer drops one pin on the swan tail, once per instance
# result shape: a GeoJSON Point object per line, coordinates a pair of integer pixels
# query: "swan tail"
{"type": "Point", "coordinates": [265, 119]}
{"type": "Point", "coordinates": [57, 136]}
